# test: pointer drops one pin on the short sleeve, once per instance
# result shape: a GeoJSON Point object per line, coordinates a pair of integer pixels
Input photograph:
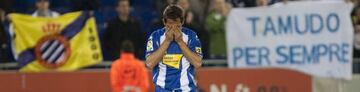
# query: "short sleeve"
{"type": "Point", "coordinates": [195, 45]}
{"type": "Point", "coordinates": [151, 44]}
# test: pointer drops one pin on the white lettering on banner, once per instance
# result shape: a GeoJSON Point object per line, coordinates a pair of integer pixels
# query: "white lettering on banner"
{"type": "Point", "coordinates": [290, 24]}
{"type": "Point", "coordinates": [294, 54]}
{"type": "Point", "coordinates": [223, 88]}
{"type": "Point", "coordinates": [214, 88]}
{"type": "Point", "coordinates": [241, 88]}
{"type": "Point", "coordinates": [311, 37]}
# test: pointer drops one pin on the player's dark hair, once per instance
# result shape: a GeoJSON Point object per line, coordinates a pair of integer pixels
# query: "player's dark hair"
{"type": "Point", "coordinates": [118, 1]}
{"type": "Point", "coordinates": [173, 12]}
{"type": "Point", "coordinates": [175, 2]}
{"type": "Point", "coordinates": [127, 46]}
{"type": "Point", "coordinates": [42, 0]}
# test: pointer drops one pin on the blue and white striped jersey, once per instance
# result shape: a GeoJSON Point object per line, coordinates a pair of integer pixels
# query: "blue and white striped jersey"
{"type": "Point", "coordinates": [174, 72]}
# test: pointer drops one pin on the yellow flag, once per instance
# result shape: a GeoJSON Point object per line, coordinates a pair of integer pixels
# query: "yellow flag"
{"type": "Point", "coordinates": [65, 43]}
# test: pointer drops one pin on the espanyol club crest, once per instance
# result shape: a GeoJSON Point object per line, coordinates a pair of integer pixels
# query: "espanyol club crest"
{"type": "Point", "coordinates": [52, 50]}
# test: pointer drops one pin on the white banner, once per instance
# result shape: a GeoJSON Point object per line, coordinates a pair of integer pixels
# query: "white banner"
{"type": "Point", "coordinates": [311, 37]}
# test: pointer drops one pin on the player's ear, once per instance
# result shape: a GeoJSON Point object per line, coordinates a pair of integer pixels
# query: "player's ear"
{"type": "Point", "coordinates": [164, 21]}
{"type": "Point", "coordinates": [182, 19]}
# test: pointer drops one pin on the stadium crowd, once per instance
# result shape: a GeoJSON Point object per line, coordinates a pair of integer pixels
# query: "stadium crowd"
{"type": "Point", "coordinates": [134, 20]}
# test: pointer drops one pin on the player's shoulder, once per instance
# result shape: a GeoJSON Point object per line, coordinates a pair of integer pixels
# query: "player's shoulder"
{"type": "Point", "coordinates": [188, 31]}
{"type": "Point", "coordinates": [158, 32]}
{"type": "Point", "coordinates": [185, 30]}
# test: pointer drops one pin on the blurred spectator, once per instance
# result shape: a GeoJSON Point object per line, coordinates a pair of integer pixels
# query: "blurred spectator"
{"type": "Point", "coordinates": [354, 1]}
{"type": "Point", "coordinates": [253, 3]}
{"type": "Point", "coordinates": [192, 21]}
{"type": "Point", "coordinates": [80, 5]}
{"type": "Point", "coordinates": [161, 4]}
{"type": "Point", "coordinates": [123, 27]}
{"type": "Point", "coordinates": [42, 9]}
{"type": "Point", "coordinates": [356, 20]}
{"type": "Point", "coordinates": [199, 8]}
{"type": "Point", "coordinates": [261, 3]}
{"type": "Point", "coordinates": [278, 4]}
{"type": "Point", "coordinates": [3, 39]}
{"type": "Point", "coordinates": [129, 74]}
{"type": "Point", "coordinates": [243, 3]}
{"type": "Point", "coordinates": [6, 5]}
{"type": "Point", "coordinates": [215, 24]}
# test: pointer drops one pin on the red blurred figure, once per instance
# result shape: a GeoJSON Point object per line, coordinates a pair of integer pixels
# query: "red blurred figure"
{"type": "Point", "coordinates": [129, 74]}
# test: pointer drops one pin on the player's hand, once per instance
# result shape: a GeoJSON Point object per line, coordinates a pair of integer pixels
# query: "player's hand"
{"type": "Point", "coordinates": [178, 34]}
{"type": "Point", "coordinates": [169, 33]}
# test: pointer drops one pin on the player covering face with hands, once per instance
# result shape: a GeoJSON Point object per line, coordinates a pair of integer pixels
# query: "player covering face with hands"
{"type": "Point", "coordinates": [173, 30]}
{"type": "Point", "coordinates": [173, 53]}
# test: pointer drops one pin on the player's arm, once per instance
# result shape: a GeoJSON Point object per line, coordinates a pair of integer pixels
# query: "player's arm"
{"type": "Point", "coordinates": [154, 58]}
{"type": "Point", "coordinates": [193, 58]}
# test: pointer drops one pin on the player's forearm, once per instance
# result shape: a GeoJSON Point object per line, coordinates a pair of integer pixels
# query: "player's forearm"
{"type": "Point", "coordinates": [193, 58]}
{"type": "Point", "coordinates": [155, 57]}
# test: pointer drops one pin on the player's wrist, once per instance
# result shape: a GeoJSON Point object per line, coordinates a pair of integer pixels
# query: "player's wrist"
{"type": "Point", "coordinates": [178, 40]}
{"type": "Point", "coordinates": [181, 43]}
{"type": "Point", "coordinates": [166, 42]}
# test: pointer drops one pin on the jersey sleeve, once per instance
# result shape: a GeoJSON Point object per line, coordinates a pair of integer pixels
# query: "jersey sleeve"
{"type": "Point", "coordinates": [195, 45]}
{"type": "Point", "coordinates": [151, 44]}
